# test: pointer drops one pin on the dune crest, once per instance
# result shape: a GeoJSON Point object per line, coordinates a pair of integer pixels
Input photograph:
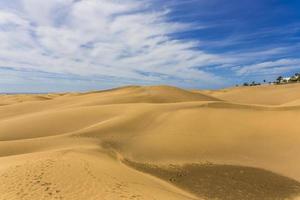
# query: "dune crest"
{"type": "Point", "coordinates": [264, 95]}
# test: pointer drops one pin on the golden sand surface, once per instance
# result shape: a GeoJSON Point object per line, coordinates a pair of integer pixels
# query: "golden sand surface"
{"type": "Point", "coordinates": [152, 143]}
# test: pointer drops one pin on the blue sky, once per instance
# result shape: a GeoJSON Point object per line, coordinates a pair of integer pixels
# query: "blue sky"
{"type": "Point", "coordinates": [80, 45]}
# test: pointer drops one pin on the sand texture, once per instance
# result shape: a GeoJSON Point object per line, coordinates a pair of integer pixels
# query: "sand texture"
{"type": "Point", "coordinates": [152, 143]}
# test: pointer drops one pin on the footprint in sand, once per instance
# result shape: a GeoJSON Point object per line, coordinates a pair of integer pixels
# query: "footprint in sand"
{"type": "Point", "coordinates": [28, 181]}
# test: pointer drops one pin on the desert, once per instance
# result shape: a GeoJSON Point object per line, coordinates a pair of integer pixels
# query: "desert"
{"type": "Point", "coordinates": [152, 142]}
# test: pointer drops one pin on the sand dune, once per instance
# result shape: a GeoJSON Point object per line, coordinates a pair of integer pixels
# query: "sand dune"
{"type": "Point", "coordinates": [155, 142]}
{"type": "Point", "coordinates": [266, 94]}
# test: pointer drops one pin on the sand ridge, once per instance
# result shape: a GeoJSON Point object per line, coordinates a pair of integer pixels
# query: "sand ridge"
{"type": "Point", "coordinates": [103, 145]}
{"type": "Point", "coordinates": [264, 95]}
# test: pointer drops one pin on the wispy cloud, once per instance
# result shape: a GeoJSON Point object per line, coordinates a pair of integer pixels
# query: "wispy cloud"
{"type": "Point", "coordinates": [270, 67]}
{"type": "Point", "coordinates": [99, 37]}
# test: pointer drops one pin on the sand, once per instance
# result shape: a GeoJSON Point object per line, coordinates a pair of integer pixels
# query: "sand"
{"type": "Point", "coordinates": [157, 142]}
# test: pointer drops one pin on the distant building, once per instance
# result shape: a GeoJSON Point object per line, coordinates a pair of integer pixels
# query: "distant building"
{"type": "Point", "coordinates": [285, 80]}
{"type": "Point", "coordinates": [291, 79]}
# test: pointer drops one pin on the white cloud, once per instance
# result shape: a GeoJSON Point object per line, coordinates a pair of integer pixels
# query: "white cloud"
{"type": "Point", "coordinates": [44, 12]}
{"type": "Point", "coordinates": [271, 67]}
{"type": "Point", "coordinates": [100, 37]}
{"type": "Point", "coordinates": [10, 18]}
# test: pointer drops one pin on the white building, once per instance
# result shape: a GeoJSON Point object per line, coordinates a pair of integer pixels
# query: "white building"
{"type": "Point", "coordinates": [285, 79]}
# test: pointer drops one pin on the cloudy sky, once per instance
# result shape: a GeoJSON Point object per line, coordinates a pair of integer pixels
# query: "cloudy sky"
{"type": "Point", "coordinates": [80, 45]}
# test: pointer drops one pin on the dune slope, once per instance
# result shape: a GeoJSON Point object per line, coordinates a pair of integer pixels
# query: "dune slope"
{"type": "Point", "coordinates": [226, 182]}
